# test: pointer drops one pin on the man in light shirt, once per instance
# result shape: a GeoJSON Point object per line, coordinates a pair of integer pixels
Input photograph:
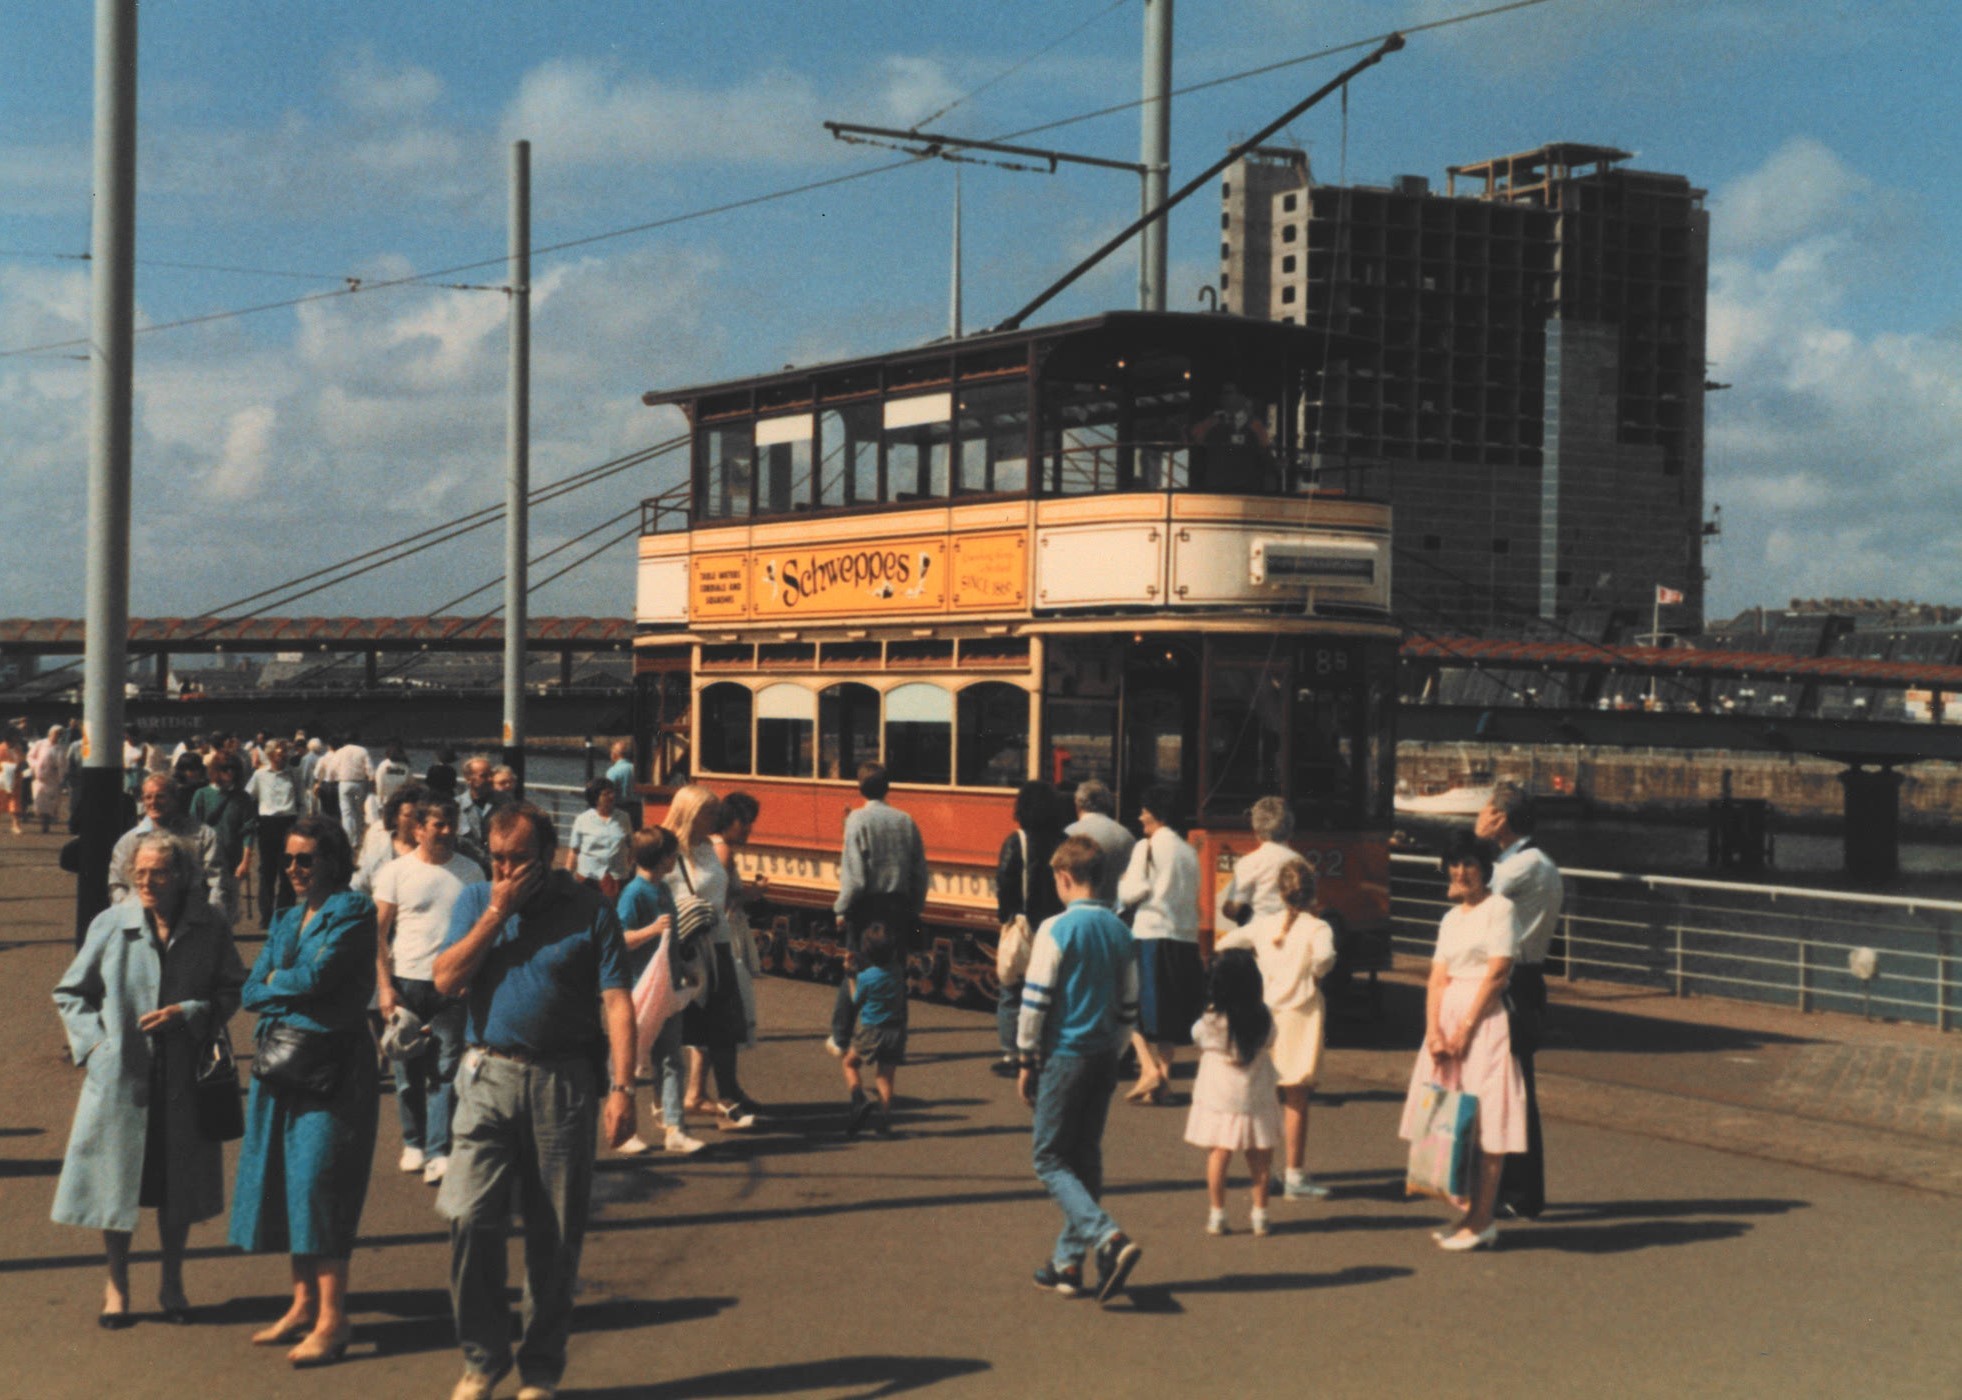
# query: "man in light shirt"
{"type": "Point", "coordinates": [1527, 876]}
{"type": "Point", "coordinates": [1096, 818]}
{"type": "Point", "coordinates": [414, 895]}
{"type": "Point", "coordinates": [355, 775]}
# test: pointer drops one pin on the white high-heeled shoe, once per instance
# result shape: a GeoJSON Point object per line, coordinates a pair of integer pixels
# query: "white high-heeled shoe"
{"type": "Point", "coordinates": [1464, 1240]}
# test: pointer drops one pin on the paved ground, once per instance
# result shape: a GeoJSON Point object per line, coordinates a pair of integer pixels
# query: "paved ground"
{"type": "Point", "coordinates": [1748, 1203]}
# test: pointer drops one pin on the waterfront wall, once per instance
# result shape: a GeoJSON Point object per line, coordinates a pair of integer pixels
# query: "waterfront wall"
{"type": "Point", "coordinates": [1675, 784]}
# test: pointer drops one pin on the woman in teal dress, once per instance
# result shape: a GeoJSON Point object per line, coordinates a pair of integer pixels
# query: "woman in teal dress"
{"type": "Point", "coordinates": [303, 1166]}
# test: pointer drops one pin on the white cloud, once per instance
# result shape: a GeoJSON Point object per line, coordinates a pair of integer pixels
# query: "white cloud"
{"type": "Point", "coordinates": [370, 89]}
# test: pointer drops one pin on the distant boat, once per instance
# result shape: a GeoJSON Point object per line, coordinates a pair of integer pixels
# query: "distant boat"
{"type": "Point", "coordinates": [1453, 804]}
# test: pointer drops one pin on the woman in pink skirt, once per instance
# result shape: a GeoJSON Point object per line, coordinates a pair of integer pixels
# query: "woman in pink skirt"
{"type": "Point", "coordinates": [1467, 1043]}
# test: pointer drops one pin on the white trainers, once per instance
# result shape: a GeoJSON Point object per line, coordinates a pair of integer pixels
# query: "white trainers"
{"type": "Point", "coordinates": [410, 1160]}
{"type": "Point", "coordinates": [678, 1141]}
{"type": "Point", "coordinates": [433, 1170]}
{"type": "Point", "coordinates": [633, 1147]}
{"type": "Point", "coordinates": [1258, 1222]}
{"type": "Point", "coordinates": [836, 1050]}
{"type": "Point", "coordinates": [1216, 1222]}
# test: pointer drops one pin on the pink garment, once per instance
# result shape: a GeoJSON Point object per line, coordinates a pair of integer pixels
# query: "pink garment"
{"type": "Point", "coordinates": [1486, 1070]}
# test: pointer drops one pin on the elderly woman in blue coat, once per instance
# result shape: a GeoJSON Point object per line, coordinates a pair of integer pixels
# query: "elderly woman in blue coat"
{"type": "Point", "coordinates": [155, 975]}
{"type": "Point", "coordinates": [303, 1165]}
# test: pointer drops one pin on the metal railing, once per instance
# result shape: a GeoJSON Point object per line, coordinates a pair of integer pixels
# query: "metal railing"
{"type": "Point", "coordinates": [1781, 944]}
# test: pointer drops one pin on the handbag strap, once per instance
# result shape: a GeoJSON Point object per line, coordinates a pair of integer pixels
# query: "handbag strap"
{"type": "Point", "coordinates": [1024, 838]}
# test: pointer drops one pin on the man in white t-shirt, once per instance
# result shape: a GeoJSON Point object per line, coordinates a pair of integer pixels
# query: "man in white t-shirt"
{"type": "Point", "coordinates": [413, 898]}
{"type": "Point", "coordinates": [355, 774]}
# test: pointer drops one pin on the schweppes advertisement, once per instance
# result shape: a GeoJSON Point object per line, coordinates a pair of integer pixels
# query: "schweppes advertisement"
{"type": "Point", "coordinates": [870, 578]}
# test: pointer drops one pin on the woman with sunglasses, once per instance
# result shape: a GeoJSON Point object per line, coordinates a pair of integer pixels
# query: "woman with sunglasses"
{"type": "Point", "coordinates": [303, 1166]}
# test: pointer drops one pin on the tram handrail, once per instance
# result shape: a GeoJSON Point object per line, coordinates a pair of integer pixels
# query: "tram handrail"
{"type": "Point", "coordinates": [1764, 945]}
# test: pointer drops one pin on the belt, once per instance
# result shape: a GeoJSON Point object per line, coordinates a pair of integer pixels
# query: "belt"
{"type": "Point", "coordinates": [519, 1057]}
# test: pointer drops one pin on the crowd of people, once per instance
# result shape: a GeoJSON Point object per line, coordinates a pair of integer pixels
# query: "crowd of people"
{"type": "Point", "coordinates": [518, 986]}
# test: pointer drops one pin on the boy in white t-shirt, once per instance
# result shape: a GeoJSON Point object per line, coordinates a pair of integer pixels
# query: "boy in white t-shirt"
{"type": "Point", "coordinates": [413, 898]}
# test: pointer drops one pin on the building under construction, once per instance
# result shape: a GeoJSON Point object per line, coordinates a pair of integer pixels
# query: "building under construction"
{"type": "Point", "coordinates": [1532, 401]}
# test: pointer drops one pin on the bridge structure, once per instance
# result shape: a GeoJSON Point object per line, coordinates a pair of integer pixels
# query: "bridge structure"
{"type": "Point", "coordinates": [1873, 715]}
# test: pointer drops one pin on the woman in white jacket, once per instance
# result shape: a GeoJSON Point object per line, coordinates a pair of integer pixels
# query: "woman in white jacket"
{"type": "Point", "coordinates": [1295, 950]}
{"type": "Point", "coordinates": [1161, 889]}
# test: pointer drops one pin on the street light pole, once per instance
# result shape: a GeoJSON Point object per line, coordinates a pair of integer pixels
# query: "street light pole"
{"type": "Point", "coordinates": [112, 298]}
{"type": "Point", "coordinates": [1155, 150]}
{"type": "Point", "coordinates": [517, 437]}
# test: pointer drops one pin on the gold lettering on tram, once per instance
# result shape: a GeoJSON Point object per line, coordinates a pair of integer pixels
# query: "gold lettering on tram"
{"type": "Point", "coordinates": [988, 572]}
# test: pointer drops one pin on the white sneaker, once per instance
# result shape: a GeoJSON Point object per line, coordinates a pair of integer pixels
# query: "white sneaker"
{"type": "Point", "coordinates": [410, 1160]}
{"type": "Point", "coordinates": [836, 1050]}
{"type": "Point", "coordinates": [1216, 1222]}
{"type": "Point", "coordinates": [433, 1170]}
{"type": "Point", "coordinates": [678, 1141]}
{"type": "Point", "coordinates": [1258, 1222]}
{"type": "Point", "coordinates": [632, 1147]}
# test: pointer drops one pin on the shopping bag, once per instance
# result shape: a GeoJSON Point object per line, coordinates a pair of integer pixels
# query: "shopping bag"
{"type": "Point", "coordinates": [1012, 953]}
{"type": "Point", "coordinates": [1441, 1152]}
{"type": "Point", "coordinates": [655, 998]}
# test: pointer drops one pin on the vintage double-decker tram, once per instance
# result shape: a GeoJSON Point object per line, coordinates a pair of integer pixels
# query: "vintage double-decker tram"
{"type": "Point", "coordinates": [1093, 549]}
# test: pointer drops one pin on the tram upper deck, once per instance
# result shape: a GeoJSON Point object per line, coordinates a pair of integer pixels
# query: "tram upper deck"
{"type": "Point", "coordinates": [1130, 462]}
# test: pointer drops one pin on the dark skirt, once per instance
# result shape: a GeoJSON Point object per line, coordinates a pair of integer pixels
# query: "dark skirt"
{"type": "Point", "coordinates": [1171, 989]}
{"type": "Point", "coordinates": [303, 1164]}
{"type": "Point", "coordinates": [718, 1021]}
{"type": "Point", "coordinates": [154, 1188]}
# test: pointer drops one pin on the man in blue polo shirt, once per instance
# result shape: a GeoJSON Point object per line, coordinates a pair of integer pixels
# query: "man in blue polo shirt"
{"type": "Point", "coordinates": [1079, 1004]}
{"type": "Point", "coordinates": [542, 966]}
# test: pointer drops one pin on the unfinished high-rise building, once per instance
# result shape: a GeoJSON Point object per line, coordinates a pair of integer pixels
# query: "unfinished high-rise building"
{"type": "Point", "coordinates": [1530, 394]}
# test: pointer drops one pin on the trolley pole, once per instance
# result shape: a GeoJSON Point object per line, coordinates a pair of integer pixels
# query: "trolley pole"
{"type": "Point", "coordinates": [517, 434]}
{"type": "Point", "coordinates": [1155, 150]}
{"type": "Point", "coordinates": [112, 296]}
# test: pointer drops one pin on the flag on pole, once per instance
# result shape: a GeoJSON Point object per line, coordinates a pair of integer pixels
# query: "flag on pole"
{"type": "Point", "coordinates": [1665, 596]}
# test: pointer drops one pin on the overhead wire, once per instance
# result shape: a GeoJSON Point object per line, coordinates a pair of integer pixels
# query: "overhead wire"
{"type": "Point", "coordinates": [670, 221]}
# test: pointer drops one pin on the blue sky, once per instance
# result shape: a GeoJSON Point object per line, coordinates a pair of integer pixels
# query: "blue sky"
{"type": "Point", "coordinates": [370, 140]}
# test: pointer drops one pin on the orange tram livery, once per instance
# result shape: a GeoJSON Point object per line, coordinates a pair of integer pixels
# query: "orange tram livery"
{"type": "Point", "coordinates": [1098, 549]}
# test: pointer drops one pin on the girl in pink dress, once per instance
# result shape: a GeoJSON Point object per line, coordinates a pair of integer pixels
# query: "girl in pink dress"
{"type": "Point", "coordinates": [1467, 1042]}
{"type": "Point", "coordinates": [1235, 1103]}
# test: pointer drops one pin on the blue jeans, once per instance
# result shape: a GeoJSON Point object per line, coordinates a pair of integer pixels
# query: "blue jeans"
{"type": "Point", "coordinates": [1072, 1103]}
{"type": "Point", "coordinates": [425, 1087]}
{"type": "Point", "coordinates": [1008, 1013]}
{"type": "Point", "coordinates": [667, 1061]}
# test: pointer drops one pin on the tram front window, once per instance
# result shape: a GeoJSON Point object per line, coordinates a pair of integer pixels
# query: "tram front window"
{"type": "Point", "coordinates": [1325, 772]}
{"type": "Point", "coordinates": [1246, 731]}
{"type": "Point", "coordinates": [1079, 438]}
{"type": "Point", "coordinates": [919, 733]}
{"type": "Point", "coordinates": [848, 729]}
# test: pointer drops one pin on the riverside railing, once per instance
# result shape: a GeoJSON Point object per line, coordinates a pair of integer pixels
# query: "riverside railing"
{"type": "Point", "coordinates": [1886, 955]}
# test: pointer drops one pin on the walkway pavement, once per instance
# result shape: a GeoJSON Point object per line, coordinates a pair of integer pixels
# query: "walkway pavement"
{"type": "Point", "coordinates": [1812, 1253]}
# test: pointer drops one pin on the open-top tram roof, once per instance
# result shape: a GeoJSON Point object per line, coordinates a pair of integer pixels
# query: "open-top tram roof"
{"type": "Point", "coordinates": [1231, 346]}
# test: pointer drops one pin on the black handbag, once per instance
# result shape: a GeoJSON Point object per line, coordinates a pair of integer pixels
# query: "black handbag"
{"type": "Point", "coordinates": [221, 1117]}
{"type": "Point", "coordinates": [293, 1060]}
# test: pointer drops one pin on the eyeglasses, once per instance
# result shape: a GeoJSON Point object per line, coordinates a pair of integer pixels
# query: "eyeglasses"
{"type": "Point", "coordinates": [300, 860]}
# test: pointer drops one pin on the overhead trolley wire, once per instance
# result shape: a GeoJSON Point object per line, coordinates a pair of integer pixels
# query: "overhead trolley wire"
{"type": "Point", "coordinates": [428, 278]}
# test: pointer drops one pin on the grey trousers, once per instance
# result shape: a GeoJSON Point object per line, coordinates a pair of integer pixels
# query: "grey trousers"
{"type": "Point", "coordinates": [528, 1128]}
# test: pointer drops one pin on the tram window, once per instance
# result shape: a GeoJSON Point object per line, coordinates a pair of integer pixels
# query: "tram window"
{"type": "Point", "coordinates": [1079, 439]}
{"type": "Point", "coordinates": [1381, 780]}
{"type": "Point", "coordinates": [1082, 741]}
{"type": "Point", "coordinates": [919, 435]}
{"type": "Point", "coordinates": [994, 735]}
{"type": "Point", "coordinates": [994, 437]}
{"type": "Point", "coordinates": [783, 451]}
{"type": "Point", "coordinates": [1161, 418]}
{"type": "Point", "coordinates": [848, 460]}
{"type": "Point", "coordinates": [724, 728]}
{"type": "Point", "coordinates": [728, 459]}
{"type": "Point", "coordinates": [786, 723]}
{"type": "Point", "coordinates": [848, 729]}
{"type": "Point", "coordinates": [1246, 729]}
{"type": "Point", "coordinates": [1327, 725]}
{"type": "Point", "coordinates": [919, 733]}
{"type": "Point", "coordinates": [1235, 442]}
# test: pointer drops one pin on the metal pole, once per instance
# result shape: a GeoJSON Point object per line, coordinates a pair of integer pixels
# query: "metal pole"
{"type": "Point", "coordinates": [517, 436]}
{"type": "Point", "coordinates": [1155, 149]}
{"type": "Point", "coordinates": [954, 287]}
{"type": "Point", "coordinates": [112, 297]}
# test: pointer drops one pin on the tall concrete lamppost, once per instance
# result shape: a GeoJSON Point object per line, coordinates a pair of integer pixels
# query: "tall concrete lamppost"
{"type": "Point", "coordinates": [517, 441]}
{"type": "Point", "coordinates": [112, 296]}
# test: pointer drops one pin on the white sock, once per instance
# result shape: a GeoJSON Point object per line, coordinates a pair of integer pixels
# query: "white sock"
{"type": "Point", "coordinates": [1296, 1176]}
{"type": "Point", "coordinates": [1215, 1217]}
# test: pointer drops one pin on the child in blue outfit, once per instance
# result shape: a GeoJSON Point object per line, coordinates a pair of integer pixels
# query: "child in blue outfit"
{"type": "Point", "coordinates": [879, 994]}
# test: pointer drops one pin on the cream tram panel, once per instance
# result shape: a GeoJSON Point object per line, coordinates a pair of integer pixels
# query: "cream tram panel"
{"type": "Point", "coordinates": [1100, 565]}
{"type": "Point", "coordinates": [661, 589]}
{"type": "Point", "coordinates": [1251, 564]}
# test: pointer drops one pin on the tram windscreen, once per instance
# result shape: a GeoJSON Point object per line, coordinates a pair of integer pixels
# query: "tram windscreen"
{"type": "Point", "coordinates": [1246, 729]}
{"type": "Point", "coordinates": [1324, 771]}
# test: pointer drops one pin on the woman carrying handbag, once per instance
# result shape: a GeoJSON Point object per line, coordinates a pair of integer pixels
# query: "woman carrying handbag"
{"type": "Point", "coordinates": [1025, 895]}
{"type": "Point", "coordinates": [155, 978]}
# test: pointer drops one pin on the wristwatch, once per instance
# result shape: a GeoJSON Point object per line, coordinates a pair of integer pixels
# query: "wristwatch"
{"type": "Point", "coordinates": [626, 1089]}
